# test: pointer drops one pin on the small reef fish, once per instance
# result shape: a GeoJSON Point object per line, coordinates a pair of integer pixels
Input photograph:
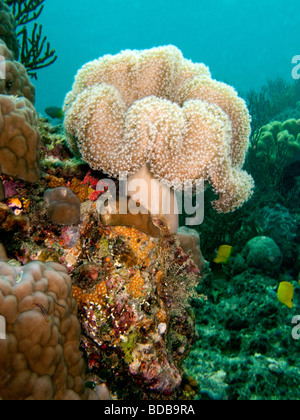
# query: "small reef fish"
{"type": "Point", "coordinates": [18, 205]}
{"type": "Point", "coordinates": [55, 112]}
{"type": "Point", "coordinates": [285, 293]}
{"type": "Point", "coordinates": [223, 254]}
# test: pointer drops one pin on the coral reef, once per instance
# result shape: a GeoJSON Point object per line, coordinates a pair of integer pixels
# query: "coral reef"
{"type": "Point", "coordinates": [135, 284]}
{"type": "Point", "coordinates": [7, 29]}
{"type": "Point", "coordinates": [40, 358]}
{"type": "Point", "coordinates": [133, 290]}
{"type": "Point", "coordinates": [244, 348]}
{"type": "Point", "coordinates": [19, 139]}
{"type": "Point", "coordinates": [174, 110]}
{"type": "Point", "coordinates": [133, 294]}
{"type": "Point", "coordinates": [135, 311]}
{"type": "Point", "coordinates": [273, 161]}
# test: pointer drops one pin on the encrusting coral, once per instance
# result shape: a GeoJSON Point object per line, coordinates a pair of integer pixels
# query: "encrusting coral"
{"type": "Point", "coordinates": [19, 139]}
{"type": "Point", "coordinates": [40, 358]}
{"type": "Point", "coordinates": [155, 107]}
{"type": "Point", "coordinates": [133, 294]}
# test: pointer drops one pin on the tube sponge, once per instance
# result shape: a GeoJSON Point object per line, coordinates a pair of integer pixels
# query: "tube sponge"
{"type": "Point", "coordinates": [155, 107]}
{"type": "Point", "coordinates": [19, 139]}
{"type": "Point", "coordinates": [40, 357]}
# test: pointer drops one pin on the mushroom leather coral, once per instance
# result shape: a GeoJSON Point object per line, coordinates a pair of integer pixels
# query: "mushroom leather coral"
{"type": "Point", "coordinates": [40, 357]}
{"type": "Point", "coordinates": [155, 107]}
{"type": "Point", "coordinates": [19, 139]}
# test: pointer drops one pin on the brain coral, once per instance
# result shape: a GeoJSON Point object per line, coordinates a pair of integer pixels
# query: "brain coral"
{"type": "Point", "coordinates": [155, 107]}
{"type": "Point", "coordinates": [19, 139]}
{"type": "Point", "coordinates": [40, 357]}
{"type": "Point", "coordinates": [7, 29]}
{"type": "Point", "coordinates": [16, 80]}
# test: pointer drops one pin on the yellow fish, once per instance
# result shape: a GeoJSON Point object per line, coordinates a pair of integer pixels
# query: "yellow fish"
{"type": "Point", "coordinates": [285, 293]}
{"type": "Point", "coordinates": [223, 254]}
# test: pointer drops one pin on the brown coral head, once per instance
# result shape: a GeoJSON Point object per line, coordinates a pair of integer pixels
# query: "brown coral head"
{"type": "Point", "coordinates": [19, 139]}
{"type": "Point", "coordinates": [39, 357]}
{"type": "Point", "coordinates": [155, 107]}
{"type": "Point", "coordinates": [16, 81]}
{"type": "Point", "coordinates": [8, 29]}
{"type": "Point", "coordinates": [63, 206]}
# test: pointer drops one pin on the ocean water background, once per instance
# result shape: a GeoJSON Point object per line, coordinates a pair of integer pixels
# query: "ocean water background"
{"type": "Point", "coordinates": [244, 42]}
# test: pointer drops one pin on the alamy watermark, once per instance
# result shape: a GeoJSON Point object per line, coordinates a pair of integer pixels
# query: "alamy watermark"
{"type": "Point", "coordinates": [296, 68]}
{"type": "Point", "coordinates": [296, 329]}
{"type": "Point", "coordinates": [2, 68]}
{"type": "Point", "coordinates": [154, 198]}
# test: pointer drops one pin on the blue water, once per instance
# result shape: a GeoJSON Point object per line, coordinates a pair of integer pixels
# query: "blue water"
{"type": "Point", "coordinates": [244, 42]}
